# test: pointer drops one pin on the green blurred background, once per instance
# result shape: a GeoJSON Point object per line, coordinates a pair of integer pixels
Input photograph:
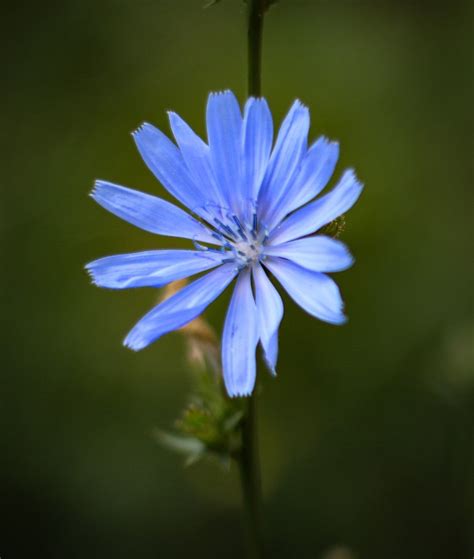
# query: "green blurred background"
{"type": "Point", "coordinates": [366, 434]}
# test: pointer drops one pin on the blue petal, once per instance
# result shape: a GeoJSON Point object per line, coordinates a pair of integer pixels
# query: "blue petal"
{"type": "Point", "coordinates": [320, 253]}
{"type": "Point", "coordinates": [269, 313]}
{"type": "Point", "coordinates": [312, 217]}
{"type": "Point", "coordinates": [196, 154]}
{"type": "Point", "coordinates": [257, 145]}
{"type": "Point", "coordinates": [165, 161]}
{"type": "Point", "coordinates": [149, 212]}
{"type": "Point", "coordinates": [152, 268]}
{"type": "Point", "coordinates": [181, 308]}
{"type": "Point", "coordinates": [314, 174]}
{"type": "Point", "coordinates": [224, 130]}
{"type": "Point", "coordinates": [316, 293]}
{"type": "Point", "coordinates": [239, 339]}
{"type": "Point", "coordinates": [289, 149]}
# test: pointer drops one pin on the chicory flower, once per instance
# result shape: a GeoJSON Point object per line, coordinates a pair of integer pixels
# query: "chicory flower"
{"type": "Point", "coordinates": [253, 217]}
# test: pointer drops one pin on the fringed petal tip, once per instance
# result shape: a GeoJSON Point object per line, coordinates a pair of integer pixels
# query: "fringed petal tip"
{"type": "Point", "coordinates": [221, 92]}
{"type": "Point", "coordinates": [339, 318]}
{"type": "Point", "coordinates": [97, 272]}
{"type": "Point", "coordinates": [256, 99]}
{"type": "Point", "coordinates": [101, 189]}
{"type": "Point", "coordinates": [134, 343]}
{"type": "Point", "coordinates": [353, 184]}
{"type": "Point", "coordinates": [96, 189]}
{"type": "Point", "coordinates": [298, 106]}
{"type": "Point", "coordinates": [343, 319]}
{"type": "Point", "coordinates": [144, 127]}
{"type": "Point", "coordinates": [350, 175]}
{"type": "Point", "coordinates": [350, 261]}
{"type": "Point", "coordinates": [252, 97]}
{"type": "Point", "coordinates": [329, 143]}
{"type": "Point", "coordinates": [240, 393]}
{"type": "Point", "coordinates": [89, 268]}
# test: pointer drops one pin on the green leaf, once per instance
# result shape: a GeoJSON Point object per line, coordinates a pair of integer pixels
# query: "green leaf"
{"type": "Point", "coordinates": [233, 421]}
{"type": "Point", "coordinates": [189, 446]}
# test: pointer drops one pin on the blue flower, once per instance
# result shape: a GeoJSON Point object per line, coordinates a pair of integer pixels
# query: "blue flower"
{"type": "Point", "coordinates": [253, 210]}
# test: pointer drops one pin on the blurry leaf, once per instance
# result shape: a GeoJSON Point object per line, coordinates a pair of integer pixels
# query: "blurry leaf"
{"type": "Point", "coordinates": [233, 420]}
{"type": "Point", "coordinates": [210, 423]}
{"type": "Point", "coordinates": [192, 459]}
{"type": "Point", "coordinates": [189, 446]}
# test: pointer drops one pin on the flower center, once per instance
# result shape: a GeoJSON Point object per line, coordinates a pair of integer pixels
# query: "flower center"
{"type": "Point", "coordinates": [249, 252]}
{"type": "Point", "coordinates": [240, 241]}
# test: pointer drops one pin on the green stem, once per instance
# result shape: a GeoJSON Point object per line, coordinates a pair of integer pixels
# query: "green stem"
{"type": "Point", "coordinates": [250, 477]}
{"type": "Point", "coordinates": [256, 12]}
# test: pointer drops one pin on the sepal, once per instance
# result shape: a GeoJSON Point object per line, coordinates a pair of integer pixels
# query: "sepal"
{"type": "Point", "coordinates": [209, 426]}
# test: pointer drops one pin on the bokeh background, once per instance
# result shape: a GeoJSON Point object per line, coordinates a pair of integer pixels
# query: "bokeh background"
{"type": "Point", "coordinates": [366, 434]}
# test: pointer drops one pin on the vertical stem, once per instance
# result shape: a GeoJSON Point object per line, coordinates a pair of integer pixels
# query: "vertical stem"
{"type": "Point", "coordinates": [249, 457]}
{"type": "Point", "coordinates": [256, 12]}
{"type": "Point", "coordinates": [250, 477]}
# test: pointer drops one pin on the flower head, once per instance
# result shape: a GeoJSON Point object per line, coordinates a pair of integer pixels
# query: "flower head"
{"type": "Point", "coordinates": [253, 214]}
